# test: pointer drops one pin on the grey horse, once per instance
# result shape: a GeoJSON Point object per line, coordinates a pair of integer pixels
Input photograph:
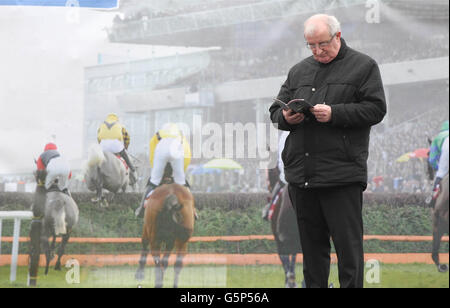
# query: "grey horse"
{"type": "Point", "coordinates": [105, 170]}
{"type": "Point", "coordinates": [61, 215]}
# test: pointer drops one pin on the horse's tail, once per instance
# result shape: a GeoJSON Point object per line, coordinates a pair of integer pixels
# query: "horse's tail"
{"type": "Point", "coordinates": [58, 214]}
{"type": "Point", "coordinates": [95, 155]}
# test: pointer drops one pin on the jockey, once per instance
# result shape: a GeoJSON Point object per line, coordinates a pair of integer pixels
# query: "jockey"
{"type": "Point", "coordinates": [168, 145]}
{"type": "Point", "coordinates": [282, 182]}
{"type": "Point", "coordinates": [54, 168]}
{"type": "Point", "coordinates": [441, 172]}
{"type": "Point", "coordinates": [436, 146]}
{"type": "Point", "coordinates": [114, 138]}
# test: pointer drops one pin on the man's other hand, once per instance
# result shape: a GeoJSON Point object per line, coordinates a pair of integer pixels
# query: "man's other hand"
{"type": "Point", "coordinates": [322, 113]}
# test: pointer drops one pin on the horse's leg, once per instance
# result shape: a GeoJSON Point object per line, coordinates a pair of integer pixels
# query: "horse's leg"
{"type": "Point", "coordinates": [140, 274]}
{"type": "Point", "coordinates": [438, 232]}
{"type": "Point", "coordinates": [159, 274]}
{"type": "Point", "coordinates": [165, 262]}
{"type": "Point", "coordinates": [285, 261]}
{"type": "Point", "coordinates": [177, 268]}
{"type": "Point", "coordinates": [292, 262]}
{"type": "Point", "coordinates": [181, 249]}
{"type": "Point", "coordinates": [436, 239]}
{"type": "Point", "coordinates": [104, 202]}
{"type": "Point", "coordinates": [46, 247]}
{"type": "Point", "coordinates": [52, 247]}
{"type": "Point", "coordinates": [61, 249]}
{"type": "Point", "coordinates": [35, 245]}
{"type": "Point", "coordinates": [155, 248]}
{"type": "Point", "coordinates": [99, 187]}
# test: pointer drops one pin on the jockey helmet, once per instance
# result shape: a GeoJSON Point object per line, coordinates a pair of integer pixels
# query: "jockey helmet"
{"type": "Point", "coordinates": [172, 129]}
{"type": "Point", "coordinates": [50, 146]}
{"type": "Point", "coordinates": [112, 117]}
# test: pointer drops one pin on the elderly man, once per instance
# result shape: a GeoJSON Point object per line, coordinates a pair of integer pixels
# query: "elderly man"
{"type": "Point", "coordinates": [326, 153]}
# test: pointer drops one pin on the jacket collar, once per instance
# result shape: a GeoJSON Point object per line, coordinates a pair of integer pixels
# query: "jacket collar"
{"type": "Point", "coordinates": [342, 51]}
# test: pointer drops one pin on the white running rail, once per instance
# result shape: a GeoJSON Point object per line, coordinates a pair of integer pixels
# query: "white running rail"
{"type": "Point", "coordinates": [17, 216]}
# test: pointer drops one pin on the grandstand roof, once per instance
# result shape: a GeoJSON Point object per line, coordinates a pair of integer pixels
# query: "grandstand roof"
{"type": "Point", "coordinates": [235, 22]}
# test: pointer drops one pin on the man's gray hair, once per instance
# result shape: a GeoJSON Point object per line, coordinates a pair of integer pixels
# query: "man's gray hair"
{"type": "Point", "coordinates": [333, 24]}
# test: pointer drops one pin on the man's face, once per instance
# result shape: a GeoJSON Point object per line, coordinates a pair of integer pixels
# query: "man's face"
{"type": "Point", "coordinates": [324, 46]}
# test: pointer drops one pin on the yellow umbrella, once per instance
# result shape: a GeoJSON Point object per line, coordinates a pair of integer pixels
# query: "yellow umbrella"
{"type": "Point", "coordinates": [404, 158]}
{"type": "Point", "coordinates": [222, 163]}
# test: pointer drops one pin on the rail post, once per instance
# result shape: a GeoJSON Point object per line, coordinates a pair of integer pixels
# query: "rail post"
{"type": "Point", "coordinates": [17, 216]}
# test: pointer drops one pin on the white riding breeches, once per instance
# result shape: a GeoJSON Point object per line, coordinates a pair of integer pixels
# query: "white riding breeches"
{"type": "Point", "coordinates": [58, 169]}
{"type": "Point", "coordinates": [112, 145]}
{"type": "Point", "coordinates": [168, 150]}
{"type": "Point", "coordinates": [443, 161]}
{"type": "Point", "coordinates": [281, 144]}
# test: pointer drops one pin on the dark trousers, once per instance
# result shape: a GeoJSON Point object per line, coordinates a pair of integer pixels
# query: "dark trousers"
{"type": "Point", "coordinates": [334, 212]}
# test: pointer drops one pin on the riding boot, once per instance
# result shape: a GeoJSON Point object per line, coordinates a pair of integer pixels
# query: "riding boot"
{"type": "Point", "coordinates": [265, 211]}
{"type": "Point", "coordinates": [431, 201]}
{"type": "Point", "coordinates": [133, 176]}
{"type": "Point", "coordinates": [148, 189]}
{"type": "Point", "coordinates": [124, 155]}
{"type": "Point", "coordinates": [275, 191]}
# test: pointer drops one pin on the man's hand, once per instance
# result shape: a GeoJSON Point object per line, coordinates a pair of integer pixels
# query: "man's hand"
{"type": "Point", "coordinates": [322, 113]}
{"type": "Point", "coordinates": [292, 117]}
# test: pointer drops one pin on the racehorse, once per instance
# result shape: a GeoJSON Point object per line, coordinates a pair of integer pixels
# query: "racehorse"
{"type": "Point", "coordinates": [439, 216]}
{"type": "Point", "coordinates": [61, 215]}
{"type": "Point", "coordinates": [105, 170]}
{"type": "Point", "coordinates": [440, 222]}
{"type": "Point", "coordinates": [54, 213]}
{"type": "Point", "coordinates": [284, 227]}
{"type": "Point", "coordinates": [169, 221]}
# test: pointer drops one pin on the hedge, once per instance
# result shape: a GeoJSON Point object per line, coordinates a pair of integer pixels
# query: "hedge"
{"type": "Point", "coordinates": [229, 214]}
{"type": "Point", "coordinates": [225, 201]}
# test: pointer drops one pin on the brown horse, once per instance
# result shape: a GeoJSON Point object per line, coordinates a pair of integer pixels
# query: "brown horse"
{"type": "Point", "coordinates": [284, 227]}
{"type": "Point", "coordinates": [440, 222]}
{"type": "Point", "coordinates": [169, 221]}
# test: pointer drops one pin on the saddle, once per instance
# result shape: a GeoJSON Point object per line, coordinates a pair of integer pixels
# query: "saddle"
{"type": "Point", "coordinates": [276, 195]}
{"type": "Point", "coordinates": [54, 188]}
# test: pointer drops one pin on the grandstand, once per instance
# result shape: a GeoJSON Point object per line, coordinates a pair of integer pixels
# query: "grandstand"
{"type": "Point", "coordinates": [255, 43]}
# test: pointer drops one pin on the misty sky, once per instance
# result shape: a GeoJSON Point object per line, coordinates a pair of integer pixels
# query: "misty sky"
{"type": "Point", "coordinates": [42, 57]}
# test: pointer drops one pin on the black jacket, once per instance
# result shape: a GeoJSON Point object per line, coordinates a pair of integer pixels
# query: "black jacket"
{"type": "Point", "coordinates": [335, 153]}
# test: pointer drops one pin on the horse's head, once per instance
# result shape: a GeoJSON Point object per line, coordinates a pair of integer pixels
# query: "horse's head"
{"type": "Point", "coordinates": [40, 176]}
{"type": "Point", "coordinates": [90, 175]}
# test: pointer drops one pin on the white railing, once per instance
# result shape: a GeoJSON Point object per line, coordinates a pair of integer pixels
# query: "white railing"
{"type": "Point", "coordinates": [17, 216]}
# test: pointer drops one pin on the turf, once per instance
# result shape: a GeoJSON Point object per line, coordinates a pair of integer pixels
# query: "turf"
{"type": "Point", "coordinates": [217, 276]}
